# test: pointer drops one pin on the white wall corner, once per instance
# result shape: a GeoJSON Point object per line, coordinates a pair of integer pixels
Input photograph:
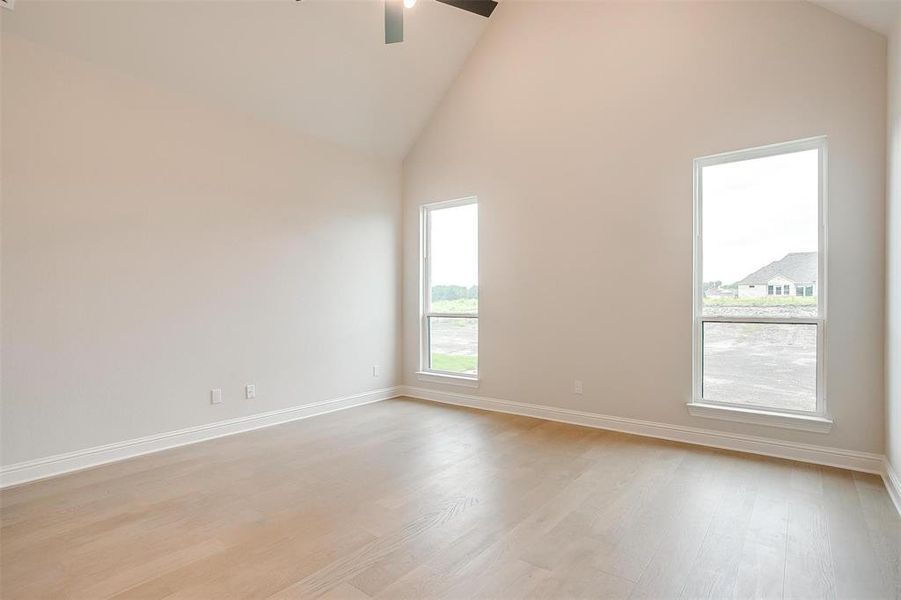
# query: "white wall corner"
{"type": "Point", "coordinates": [78, 460]}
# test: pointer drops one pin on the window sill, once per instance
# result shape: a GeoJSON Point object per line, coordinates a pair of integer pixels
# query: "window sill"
{"type": "Point", "coordinates": [757, 416]}
{"type": "Point", "coordinates": [444, 378]}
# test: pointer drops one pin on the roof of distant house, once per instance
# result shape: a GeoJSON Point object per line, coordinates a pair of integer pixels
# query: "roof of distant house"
{"type": "Point", "coordinates": [800, 267]}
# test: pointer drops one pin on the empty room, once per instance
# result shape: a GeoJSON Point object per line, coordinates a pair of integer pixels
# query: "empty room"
{"type": "Point", "coordinates": [456, 299]}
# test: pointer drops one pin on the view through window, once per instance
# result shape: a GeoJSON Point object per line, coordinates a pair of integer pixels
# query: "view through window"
{"type": "Point", "coordinates": [450, 329]}
{"type": "Point", "coordinates": [759, 317]}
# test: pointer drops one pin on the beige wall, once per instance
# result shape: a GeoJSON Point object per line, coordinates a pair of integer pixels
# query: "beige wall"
{"type": "Point", "coordinates": [578, 137]}
{"type": "Point", "coordinates": [893, 257]}
{"type": "Point", "coordinates": [155, 247]}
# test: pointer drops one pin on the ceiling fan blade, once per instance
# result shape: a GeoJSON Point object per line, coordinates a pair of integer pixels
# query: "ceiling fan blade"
{"type": "Point", "coordinates": [479, 7]}
{"type": "Point", "coordinates": [394, 21]}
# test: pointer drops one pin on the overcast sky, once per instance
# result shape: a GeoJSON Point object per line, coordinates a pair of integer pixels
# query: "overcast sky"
{"type": "Point", "coordinates": [455, 245]}
{"type": "Point", "coordinates": [757, 211]}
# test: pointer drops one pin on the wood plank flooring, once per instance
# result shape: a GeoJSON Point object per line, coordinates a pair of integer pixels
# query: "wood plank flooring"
{"type": "Point", "coordinates": [408, 499]}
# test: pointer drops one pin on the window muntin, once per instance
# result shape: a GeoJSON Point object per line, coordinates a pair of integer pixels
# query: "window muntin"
{"type": "Point", "coordinates": [759, 244]}
{"type": "Point", "coordinates": [450, 290]}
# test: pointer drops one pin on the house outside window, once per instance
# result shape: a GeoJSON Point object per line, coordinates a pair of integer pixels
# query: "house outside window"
{"type": "Point", "coordinates": [760, 231]}
{"type": "Point", "coordinates": [798, 269]}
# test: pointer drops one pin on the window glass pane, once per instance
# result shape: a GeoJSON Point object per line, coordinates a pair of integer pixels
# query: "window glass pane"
{"type": "Point", "coordinates": [765, 365]}
{"type": "Point", "coordinates": [760, 235]}
{"type": "Point", "coordinates": [454, 259]}
{"type": "Point", "coordinates": [454, 344]}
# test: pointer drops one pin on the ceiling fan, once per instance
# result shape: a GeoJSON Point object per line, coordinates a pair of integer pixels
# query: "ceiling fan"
{"type": "Point", "coordinates": [394, 14]}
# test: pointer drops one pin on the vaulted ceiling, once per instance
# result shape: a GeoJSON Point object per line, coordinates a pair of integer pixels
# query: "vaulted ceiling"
{"type": "Point", "coordinates": [320, 66]}
{"type": "Point", "coordinates": [878, 15]}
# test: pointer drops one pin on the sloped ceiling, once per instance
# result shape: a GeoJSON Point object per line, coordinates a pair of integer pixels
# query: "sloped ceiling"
{"type": "Point", "coordinates": [320, 66]}
{"type": "Point", "coordinates": [878, 15]}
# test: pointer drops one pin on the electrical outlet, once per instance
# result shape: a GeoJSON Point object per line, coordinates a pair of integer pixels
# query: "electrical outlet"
{"type": "Point", "coordinates": [250, 391]}
{"type": "Point", "coordinates": [376, 371]}
{"type": "Point", "coordinates": [577, 386]}
{"type": "Point", "coordinates": [216, 396]}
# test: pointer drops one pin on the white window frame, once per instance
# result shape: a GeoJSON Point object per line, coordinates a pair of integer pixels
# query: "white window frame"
{"type": "Point", "coordinates": [818, 420]}
{"type": "Point", "coordinates": [426, 373]}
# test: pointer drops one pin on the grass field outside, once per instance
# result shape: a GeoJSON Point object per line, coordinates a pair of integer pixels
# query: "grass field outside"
{"type": "Point", "coordinates": [454, 363]}
{"type": "Point", "coordinates": [461, 305]}
{"type": "Point", "coordinates": [453, 341]}
{"type": "Point", "coordinates": [763, 306]}
{"type": "Point", "coordinates": [762, 301]}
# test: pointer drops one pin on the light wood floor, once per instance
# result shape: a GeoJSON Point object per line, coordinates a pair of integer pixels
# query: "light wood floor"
{"type": "Point", "coordinates": [406, 499]}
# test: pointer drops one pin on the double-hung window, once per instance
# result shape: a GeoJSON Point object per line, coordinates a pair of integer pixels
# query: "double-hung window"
{"type": "Point", "coordinates": [449, 337]}
{"type": "Point", "coordinates": [759, 231]}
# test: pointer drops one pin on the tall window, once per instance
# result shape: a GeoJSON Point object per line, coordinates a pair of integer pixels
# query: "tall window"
{"type": "Point", "coordinates": [450, 288]}
{"type": "Point", "coordinates": [760, 227]}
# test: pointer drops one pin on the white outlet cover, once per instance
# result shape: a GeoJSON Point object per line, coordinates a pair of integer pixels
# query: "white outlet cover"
{"type": "Point", "coordinates": [376, 370]}
{"type": "Point", "coordinates": [577, 386]}
{"type": "Point", "coordinates": [250, 391]}
{"type": "Point", "coordinates": [216, 396]}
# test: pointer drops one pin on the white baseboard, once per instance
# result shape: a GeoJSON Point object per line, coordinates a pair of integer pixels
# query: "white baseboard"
{"type": "Point", "coordinates": [50, 466]}
{"type": "Point", "coordinates": [821, 455]}
{"type": "Point", "coordinates": [892, 484]}
{"type": "Point", "coordinates": [59, 464]}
